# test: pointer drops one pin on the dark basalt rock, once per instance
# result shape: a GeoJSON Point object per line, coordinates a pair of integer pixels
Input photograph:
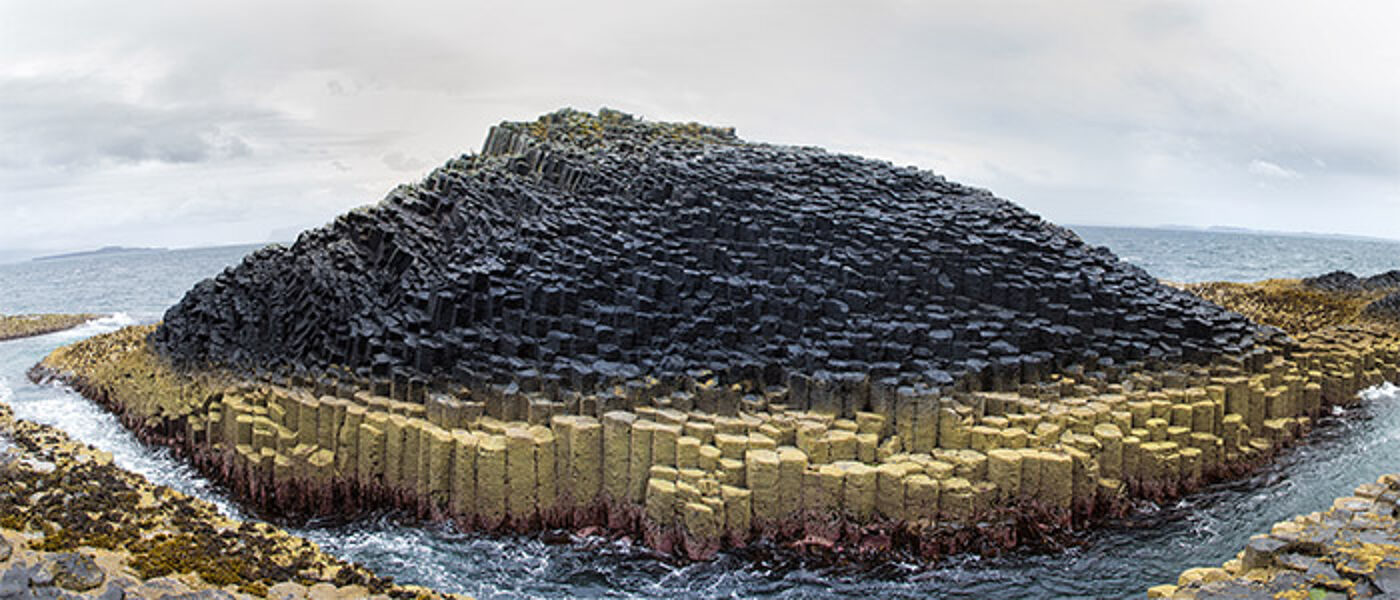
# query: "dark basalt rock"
{"type": "Point", "coordinates": [580, 251]}
{"type": "Point", "coordinates": [1342, 281]}
{"type": "Point", "coordinates": [1387, 307]}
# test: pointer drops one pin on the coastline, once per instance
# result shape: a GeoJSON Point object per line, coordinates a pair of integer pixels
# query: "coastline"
{"type": "Point", "coordinates": [13, 327]}
{"type": "Point", "coordinates": [73, 522]}
{"type": "Point", "coordinates": [1349, 550]}
{"type": "Point", "coordinates": [989, 480]}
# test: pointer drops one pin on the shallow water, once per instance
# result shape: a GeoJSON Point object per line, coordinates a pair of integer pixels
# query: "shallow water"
{"type": "Point", "coordinates": [1120, 560]}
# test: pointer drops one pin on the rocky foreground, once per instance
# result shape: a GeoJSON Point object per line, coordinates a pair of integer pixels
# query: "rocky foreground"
{"type": "Point", "coordinates": [1350, 550]}
{"type": "Point", "coordinates": [73, 525]}
{"type": "Point", "coordinates": [21, 326]}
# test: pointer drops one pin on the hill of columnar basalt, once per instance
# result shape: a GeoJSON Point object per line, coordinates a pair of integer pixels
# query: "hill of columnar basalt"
{"type": "Point", "coordinates": [580, 250]}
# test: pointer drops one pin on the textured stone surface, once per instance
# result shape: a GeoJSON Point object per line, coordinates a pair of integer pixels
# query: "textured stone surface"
{"type": "Point", "coordinates": [581, 250]}
{"type": "Point", "coordinates": [80, 527]}
{"type": "Point", "coordinates": [1349, 551]}
{"type": "Point", "coordinates": [1342, 281]}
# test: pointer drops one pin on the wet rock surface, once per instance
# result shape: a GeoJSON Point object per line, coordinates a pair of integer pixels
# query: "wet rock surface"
{"type": "Point", "coordinates": [1351, 550]}
{"type": "Point", "coordinates": [579, 252]}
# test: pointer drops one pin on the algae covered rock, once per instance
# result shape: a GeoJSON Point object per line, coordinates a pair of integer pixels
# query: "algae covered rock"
{"type": "Point", "coordinates": [581, 250]}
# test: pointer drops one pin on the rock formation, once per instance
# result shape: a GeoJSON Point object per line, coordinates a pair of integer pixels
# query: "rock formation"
{"type": "Point", "coordinates": [1342, 281]}
{"type": "Point", "coordinates": [74, 525]}
{"type": "Point", "coordinates": [20, 326]}
{"type": "Point", "coordinates": [1350, 550]}
{"type": "Point", "coordinates": [579, 252]}
{"type": "Point", "coordinates": [660, 331]}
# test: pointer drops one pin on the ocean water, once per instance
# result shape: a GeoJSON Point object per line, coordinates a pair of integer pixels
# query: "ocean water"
{"type": "Point", "coordinates": [1191, 256]}
{"type": "Point", "coordinates": [1119, 560]}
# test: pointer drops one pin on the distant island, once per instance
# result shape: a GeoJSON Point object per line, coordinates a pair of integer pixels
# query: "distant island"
{"type": "Point", "coordinates": [1249, 231]}
{"type": "Point", "coordinates": [103, 251]}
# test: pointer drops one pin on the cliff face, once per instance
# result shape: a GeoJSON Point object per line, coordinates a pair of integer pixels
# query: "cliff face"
{"type": "Point", "coordinates": [579, 251]}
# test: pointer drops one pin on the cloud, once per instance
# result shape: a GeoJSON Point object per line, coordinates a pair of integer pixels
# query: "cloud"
{"type": "Point", "coordinates": [149, 121]}
{"type": "Point", "coordinates": [1265, 168]}
{"type": "Point", "coordinates": [398, 162]}
{"type": "Point", "coordinates": [69, 124]}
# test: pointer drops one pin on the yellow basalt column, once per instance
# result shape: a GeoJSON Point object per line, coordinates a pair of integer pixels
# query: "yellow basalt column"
{"type": "Point", "coordinates": [348, 443]}
{"type": "Point", "coordinates": [1132, 456]}
{"type": "Point", "coordinates": [761, 469]}
{"type": "Point", "coordinates": [920, 497]}
{"type": "Point", "coordinates": [370, 466]}
{"type": "Point", "coordinates": [701, 521]}
{"type": "Point", "coordinates": [639, 459]}
{"type": "Point", "coordinates": [889, 485]}
{"type": "Point", "coordinates": [859, 490]}
{"type": "Point", "coordinates": [955, 498]}
{"type": "Point", "coordinates": [1004, 470]}
{"type": "Point", "coordinates": [439, 476]}
{"type": "Point", "coordinates": [738, 510]}
{"type": "Point", "coordinates": [842, 445]}
{"type": "Point", "coordinates": [687, 452]}
{"type": "Point", "coordinates": [617, 448]}
{"type": "Point", "coordinates": [792, 463]}
{"type": "Point", "coordinates": [307, 428]}
{"type": "Point", "coordinates": [394, 451]}
{"type": "Point", "coordinates": [1056, 479]}
{"type": "Point", "coordinates": [546, 470]}
{"type": "Point", "coordinates": [520, 473]}
{"type": "Point", "coordinates": [663, 444]}
{"type": "Point", "coordinates": [409, 477]}
{"type": "Point", "coordinates": [586, 445]}
{"type": "Point", "coordinates": [491, 477]}
{"type": "Point", "coordinates": [952, 431]}
{"type": "Point", "coordinates": [1030, 472]}
{"type": "Point", "coordinates": [328, 419]}
{"type": "Point", "coordinates": [731, 445]}
{"type": "Point", "coordinates": [464, 472]}
{"type": "Point", "coordinates": [1111, 455]}
{"type": "Point", "coordinates": [661, 501]}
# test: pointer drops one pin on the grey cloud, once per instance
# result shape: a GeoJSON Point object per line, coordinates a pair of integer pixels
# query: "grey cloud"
{"type": "Point", "coordinates": [83, 123]}
{"type": "Point", "coordinates": [1130, 112]}
{"type": "Point", "coordinates": [398, 162]}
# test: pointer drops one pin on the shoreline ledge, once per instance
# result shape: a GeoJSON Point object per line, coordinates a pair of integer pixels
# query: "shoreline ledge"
{"type": "Point", "coordinates": [662, 332]}
{"type": "Point", "coordinates": [1349, 550]}
{"type": "Point", "coordinates": [13, 327]}
{"type": "Point", "coordinates": [74, 525]}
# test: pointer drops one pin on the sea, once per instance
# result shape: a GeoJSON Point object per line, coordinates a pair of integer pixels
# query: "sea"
{"type": "Point", "coordinates": [1119, 559]}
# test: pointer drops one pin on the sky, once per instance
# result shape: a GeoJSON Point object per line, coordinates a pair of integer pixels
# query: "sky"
{"type": "Point", "coordinates": [180, 124]}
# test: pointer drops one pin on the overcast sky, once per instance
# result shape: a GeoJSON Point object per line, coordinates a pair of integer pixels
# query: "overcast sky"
{"type": "Point", "coordinates": [193, 123]}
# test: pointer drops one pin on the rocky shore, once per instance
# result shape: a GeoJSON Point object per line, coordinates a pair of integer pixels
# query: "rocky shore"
{"type": "Point", "coordinates": [1350, 550]}
{"type": "Point", "coordinates": [661, 332]}
{"type": "Point", "coordinates": [73, 525]}
{"type": "Point", "coordinates": [21, 326]}
{"type": "Point", "coordinates": [998, 468]}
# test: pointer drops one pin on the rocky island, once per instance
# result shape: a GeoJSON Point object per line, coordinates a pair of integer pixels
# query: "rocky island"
{"type": "Point", "coordinates": [662, 331]}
